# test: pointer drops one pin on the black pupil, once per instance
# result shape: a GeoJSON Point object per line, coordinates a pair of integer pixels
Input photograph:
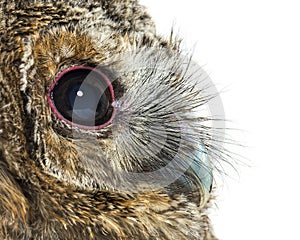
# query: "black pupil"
{"type": "Point", "coordinates": [83, 97]}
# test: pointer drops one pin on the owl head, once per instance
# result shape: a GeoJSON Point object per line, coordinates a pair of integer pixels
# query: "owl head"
{"type": "Point", "coordinates": [100, 125]}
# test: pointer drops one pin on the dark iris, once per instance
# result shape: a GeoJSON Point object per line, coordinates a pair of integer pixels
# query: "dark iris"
{"type": "Point", "coordinates": [82, 96]}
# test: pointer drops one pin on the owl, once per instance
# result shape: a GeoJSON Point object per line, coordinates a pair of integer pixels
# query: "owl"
{"type": "Point", "coordinates": [100, 133]}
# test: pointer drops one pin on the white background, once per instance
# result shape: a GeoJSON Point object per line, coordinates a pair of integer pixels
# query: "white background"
{"type": "Point", "coordinates": [251, 50]}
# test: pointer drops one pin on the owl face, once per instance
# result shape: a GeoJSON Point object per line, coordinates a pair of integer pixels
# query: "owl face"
{"type": "Point", "coordinates": [106, 115]}
{"type": "Point", "coordinates": [93, 102]}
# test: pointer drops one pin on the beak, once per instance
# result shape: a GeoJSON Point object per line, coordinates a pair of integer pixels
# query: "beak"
{"type": "Point", "coordinates": [197, 181]}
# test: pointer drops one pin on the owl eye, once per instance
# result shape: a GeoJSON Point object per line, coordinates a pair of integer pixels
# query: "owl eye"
{"type": "Point", "coordinates": [82, 96]}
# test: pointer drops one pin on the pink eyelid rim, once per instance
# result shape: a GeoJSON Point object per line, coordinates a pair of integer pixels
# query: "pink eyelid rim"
{"type": "Point", "coordinates": [55, 111]}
